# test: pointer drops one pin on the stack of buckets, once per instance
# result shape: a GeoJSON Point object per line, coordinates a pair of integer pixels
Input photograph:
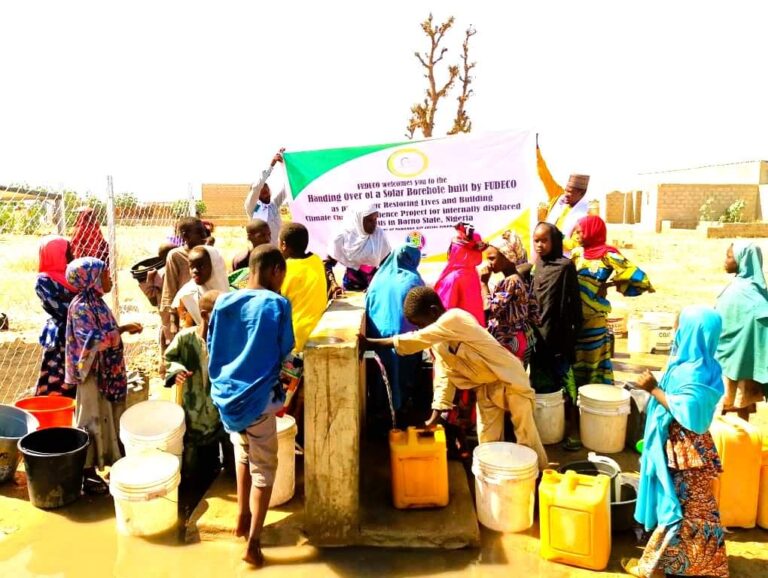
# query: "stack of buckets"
{"type": "Point", "coordinates": [603, 423]}
{"type": "Point", "coordinates": [145, 483]}
{"type": "Point", "coordinates": [40, 429]}
{"type": "Point", "coordinates": [505, 485]}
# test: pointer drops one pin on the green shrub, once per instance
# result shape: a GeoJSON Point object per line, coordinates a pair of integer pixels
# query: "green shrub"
{"type": "Point", "coordinates": [706, 213]}
{"type": "Point", "coordinates": [734, 213]}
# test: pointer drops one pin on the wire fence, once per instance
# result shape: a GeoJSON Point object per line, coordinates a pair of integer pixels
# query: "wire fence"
{"type": "Point", "coordinates": [133, 230]}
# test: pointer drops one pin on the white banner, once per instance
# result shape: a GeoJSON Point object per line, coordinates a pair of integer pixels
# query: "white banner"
{"type": "Point", "coordinates": [489, 180]}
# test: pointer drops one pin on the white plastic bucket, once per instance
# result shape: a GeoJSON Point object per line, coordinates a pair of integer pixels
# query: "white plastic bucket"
{"type": "Point", "coordinates": [549, 416]}
{"type": "Point", "coordinates": [505, 485]}
{"type": "Point", "coordinates": [285, 478]}
{"type": "Point", "coordinates": [145, 488]}
{"type": "Point", "coordinates": [153, 425]}
{"type": "Point", "coordinates": [603, 424]}
{"type": "Point", "coordinates": [662, 331]}
{"type": "Point", "coordinates": [640, 337]}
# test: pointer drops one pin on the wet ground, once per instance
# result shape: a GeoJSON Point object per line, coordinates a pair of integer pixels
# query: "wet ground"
{"type": "Point", "coordinates": [80, 541]}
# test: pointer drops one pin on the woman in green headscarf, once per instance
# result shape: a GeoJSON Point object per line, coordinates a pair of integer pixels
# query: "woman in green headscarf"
{"type": "Point", "coordinates": [743, 349]}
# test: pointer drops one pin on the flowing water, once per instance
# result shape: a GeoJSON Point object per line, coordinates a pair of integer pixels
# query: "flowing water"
{"type": "Point", "coordinates": [388, 387]}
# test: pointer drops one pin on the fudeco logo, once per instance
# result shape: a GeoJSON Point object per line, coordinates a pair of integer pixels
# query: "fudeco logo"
{"type": "Point", "coordinates": [407, 163]}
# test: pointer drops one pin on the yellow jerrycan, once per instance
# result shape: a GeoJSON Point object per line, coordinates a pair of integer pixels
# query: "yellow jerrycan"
{"type": "Point", "coordinates": [762, 500]}
{"type": "Point", "coordinates": [575, 519]}
{"type": "Point", "coordinates": [739, 446]}
{"type": "Point", "coordinates": [419, 463]}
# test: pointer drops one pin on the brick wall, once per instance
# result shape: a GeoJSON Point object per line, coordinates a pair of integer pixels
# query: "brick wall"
{"type": "Point", "coordinates": [224, 203]}
{"type": "Point", "coordinates": [734, 230]}
{"type": "Point", "coordinates": [623, 207]}
{"type": "Point", "coordinates": [681, 203]}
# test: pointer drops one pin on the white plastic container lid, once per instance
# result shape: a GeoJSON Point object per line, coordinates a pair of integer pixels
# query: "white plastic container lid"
{"type": "Point", "coordinates": [505, 458]}
{"type": "Point", "coordinates": [601, 394]}
{"type": "Point", "coordinates": [285, 424]}
{"type": "Point", "coordinates": [152, 419]}
{"type": "Point", "coordinates": [144, 476]}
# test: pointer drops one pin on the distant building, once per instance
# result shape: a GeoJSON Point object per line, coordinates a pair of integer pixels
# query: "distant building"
{"type": "Point", "coordinates": [224, 204]}
{"type": "Point", "coordinates": [678, 195]}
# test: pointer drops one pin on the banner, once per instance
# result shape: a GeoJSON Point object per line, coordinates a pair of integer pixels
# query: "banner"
{"type": "Point", "coordinates": [489, 180]}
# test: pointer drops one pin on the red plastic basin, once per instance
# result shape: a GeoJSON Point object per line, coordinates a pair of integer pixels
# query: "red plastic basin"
{"type": "Point", "coordinates": [50, 410]}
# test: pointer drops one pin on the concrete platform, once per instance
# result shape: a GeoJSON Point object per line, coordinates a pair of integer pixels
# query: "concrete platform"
{"type": "Point", "coordinates": [381, 524]}
{"type": "Point", "coordinates": [452, 527]}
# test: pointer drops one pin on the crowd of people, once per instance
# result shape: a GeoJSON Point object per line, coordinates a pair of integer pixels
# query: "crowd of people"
{"type": "Point", "coordinates": [497, 334]}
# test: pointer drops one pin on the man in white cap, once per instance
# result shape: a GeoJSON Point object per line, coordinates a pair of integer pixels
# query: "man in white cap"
{"type": "Point", "coordinates": [566, 205]}
{"type": "Point", "coordinates": [259, 203]}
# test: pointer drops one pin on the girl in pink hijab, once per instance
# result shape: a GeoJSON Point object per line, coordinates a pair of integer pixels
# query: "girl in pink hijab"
{"type": "Point", "coordinates": [459, 283]}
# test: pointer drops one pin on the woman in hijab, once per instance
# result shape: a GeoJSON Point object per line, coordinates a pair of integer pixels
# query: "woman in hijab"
{"type": "Point", "coordinates": [95, 365]}
{"type": "Point", "coordinates": [55, 294]}
{"type": "Point", "coordinates": [459, 284]}
{"type": "Point", "coordinates": [679, 462]}
{"type": "Point", "coordinates": [513, 309]}
{"type": "Point", "coordinates": [743, 349]}
{"type": "Point", "coordinates": [385, 318]}
{"type": "Point", "coordinates": [360, 247]}
{"type": "Point", "coordinates": [599, 266]}
{"type": "Point", "coordinates": [87, 240]}
{"type": "Point", "coordinates": [557, 292]}
{"type": "Point", "coordinates": [209, 272]}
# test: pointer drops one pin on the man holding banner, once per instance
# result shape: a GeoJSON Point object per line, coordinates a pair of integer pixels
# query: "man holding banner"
{"type": "Point", "coordinates": [259, 203]}
{"type": "Point", "coordinates": [566, 205]}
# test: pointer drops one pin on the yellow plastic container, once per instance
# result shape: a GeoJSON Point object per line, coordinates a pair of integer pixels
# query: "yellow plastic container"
{"type": "Point", "coordinates": [762, 500]}
{"type": "Point", "coordinates": [575, 519]}
{"type": "Point", "coordinates": [419, 468]}
{"type": "Point", "coordinates": [739, 446]}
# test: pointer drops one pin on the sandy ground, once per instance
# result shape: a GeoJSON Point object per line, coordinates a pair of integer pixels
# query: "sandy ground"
{"type": "Point", "coordinates": [684, 267]}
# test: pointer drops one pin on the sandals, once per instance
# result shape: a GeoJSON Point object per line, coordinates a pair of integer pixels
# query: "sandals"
{"type": "Point", "coordinates": [572, 444]}
{"type": "Point", "coordinates": [93, 485]}
{"type": "Point", "coordinates": [629, 565]}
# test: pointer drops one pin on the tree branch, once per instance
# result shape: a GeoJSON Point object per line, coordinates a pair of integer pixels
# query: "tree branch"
{"type": "Point", "coordinates": [462, 123]}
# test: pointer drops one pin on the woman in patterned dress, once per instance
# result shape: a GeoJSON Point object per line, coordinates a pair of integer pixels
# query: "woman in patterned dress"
{"type": "Point", "coordinates": [599, 266]}
{"type": "Point", "coordinates": [55, 295]}
{"type": "Point", "coordinates": [679, 462]}
{"type": "Point", "coordinates": [513, 309]}
{"type": "Point", "coordinates": [95, 365]}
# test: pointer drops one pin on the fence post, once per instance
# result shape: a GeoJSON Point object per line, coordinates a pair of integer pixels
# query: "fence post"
{"type": "Point", "coordinates": [192, 204]}
{"type": "Point", "coordinates": [112, 235]}
{"type": "Point", "coordinates": [59, 215]}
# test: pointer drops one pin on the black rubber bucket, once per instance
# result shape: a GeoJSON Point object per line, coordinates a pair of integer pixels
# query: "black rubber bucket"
{"type": "Point", "coordinates": [139, 270]}
{"type": "Point", "coordinates": [623, 510]}
{"type": "Point", "coordinates": [593, 469]}
{"type": "Point", "coordinates": [54, 459]}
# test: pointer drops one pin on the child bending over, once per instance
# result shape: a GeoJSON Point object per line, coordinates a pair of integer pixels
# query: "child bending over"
{"type": "Point", "coordinates": [468, 357]}
{"type": "Point", "coordinates": [250, 335]}
{"type": "Point", "coordinates": [187, 366]}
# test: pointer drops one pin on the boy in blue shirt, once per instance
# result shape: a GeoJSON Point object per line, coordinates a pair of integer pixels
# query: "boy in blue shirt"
{"type": "Point", "coordinates": [249, 337]}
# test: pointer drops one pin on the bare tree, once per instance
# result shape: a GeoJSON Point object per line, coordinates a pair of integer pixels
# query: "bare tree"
{"type": "Point", "coordinates": [423, 114]}
{"type": "Point", "coordinates": [462, 123]}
